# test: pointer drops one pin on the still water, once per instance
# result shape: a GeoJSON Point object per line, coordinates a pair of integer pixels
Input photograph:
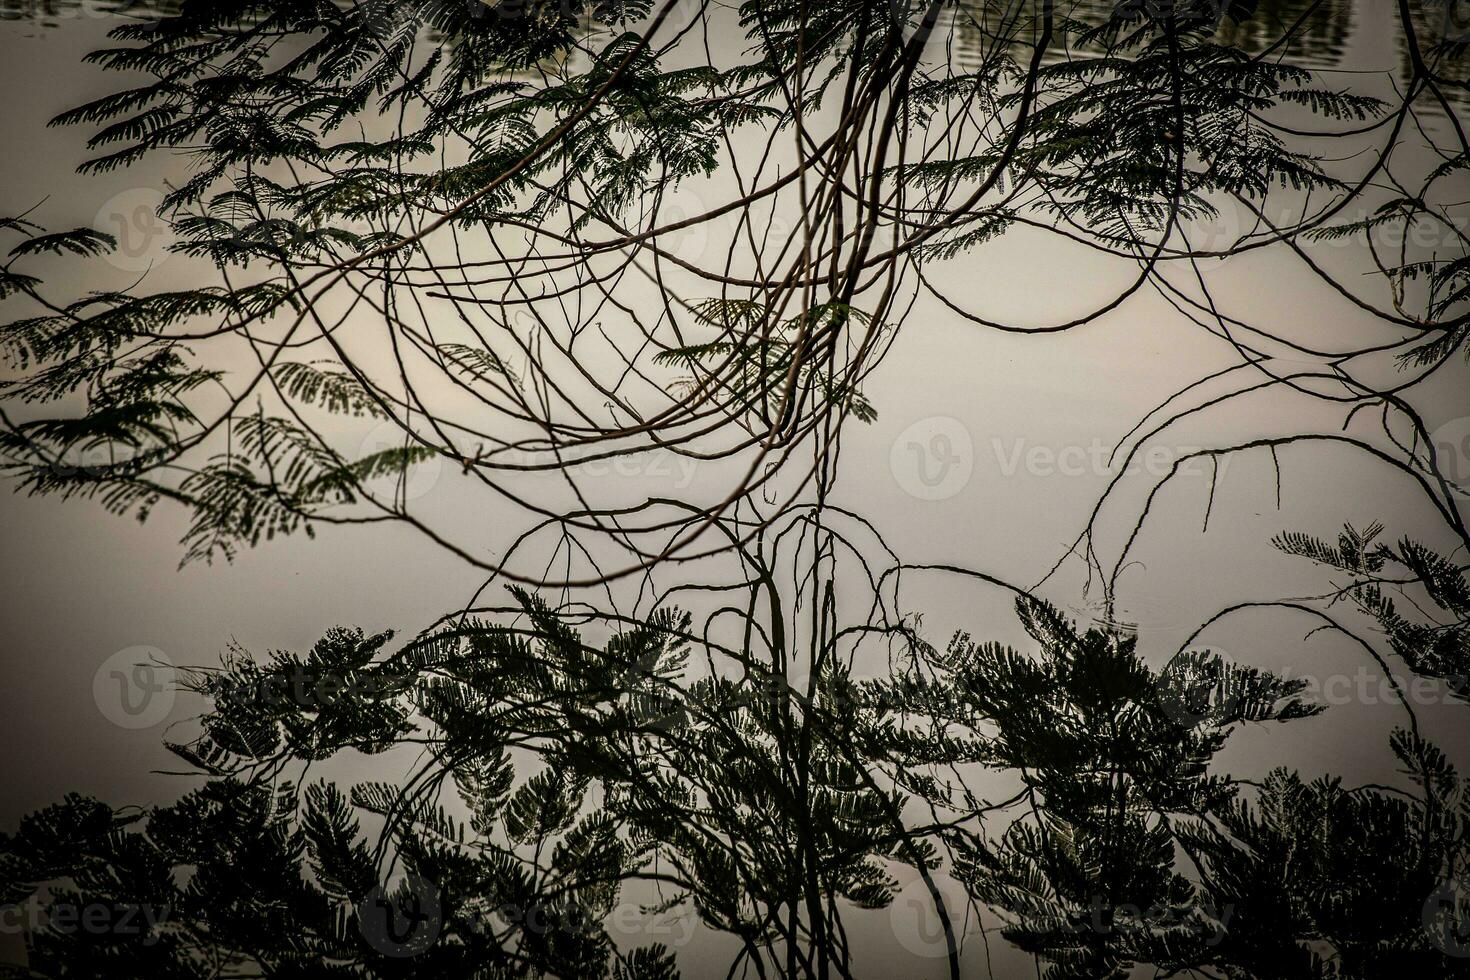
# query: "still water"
{"type": "Point", "coordinates": [83, 586]}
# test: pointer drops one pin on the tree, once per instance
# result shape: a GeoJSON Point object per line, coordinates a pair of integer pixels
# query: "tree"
{"type": "Point", "coordinates": [452, 222]}
{"type": "Point", "coordinates": [1127, 848]}
{"type": "Point", "coordinates": [559, 780]}
{"type": "Point", "coordinates": [452, 219]}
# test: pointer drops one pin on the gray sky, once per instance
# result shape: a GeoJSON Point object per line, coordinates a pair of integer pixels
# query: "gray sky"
{"type": "Point", "coordinates": [81, 585]}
